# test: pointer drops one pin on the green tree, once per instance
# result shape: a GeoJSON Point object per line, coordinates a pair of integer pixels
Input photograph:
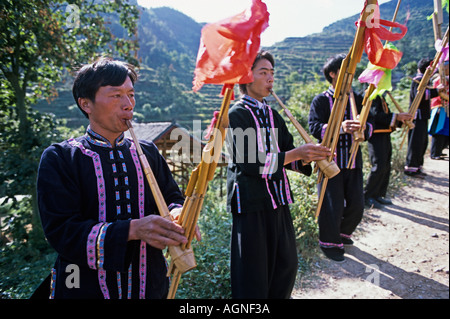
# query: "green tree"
{"type": "Point", "coordinates": [39, 42]}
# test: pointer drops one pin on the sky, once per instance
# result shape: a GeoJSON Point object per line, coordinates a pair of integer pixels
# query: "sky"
{"type": "Point", "coordinates": [288, 18]}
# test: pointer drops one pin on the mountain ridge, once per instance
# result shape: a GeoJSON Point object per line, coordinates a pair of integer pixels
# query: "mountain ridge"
{"type": "Point", "coordinates": [169, 41]}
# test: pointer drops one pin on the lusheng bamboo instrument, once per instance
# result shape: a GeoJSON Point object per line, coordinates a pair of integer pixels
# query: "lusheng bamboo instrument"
{"type": "Point", "coordinates": [399, 108]}
{"type": "Point", "coordinates": [182, 259]}
{"type": "Point", "coordinates": [198, 183]}
{"type": "Point", "coordinates": [330, 169]}
{"type": "Point", "coordinates": [358, 136]}
{"type": "Point", "coordinates": [438, 20]}
{"type": "Point", "coordinates": [341, 93]}
{"type": "Point", "coordinates": [423, 86]}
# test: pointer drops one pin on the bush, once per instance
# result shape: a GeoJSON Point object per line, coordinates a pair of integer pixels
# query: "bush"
{"type": "Point", "coordinates": [211, 278]}
{"type": "Point", "coordinates": [25, 259]}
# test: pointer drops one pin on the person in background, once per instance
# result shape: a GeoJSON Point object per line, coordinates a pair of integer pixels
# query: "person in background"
{"type": "Point", "coordinates": [440, 140]}
{"type": "Point", "coordinates": [343, 203]}
{"type": "Point", "coordinates": [418, 136]}
{"type": "Point", "coordinates": [380, 151]}
{"type": "Point", "coordinates": [263, 248]}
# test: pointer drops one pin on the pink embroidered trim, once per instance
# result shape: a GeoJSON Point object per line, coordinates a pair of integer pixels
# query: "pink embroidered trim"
{"type": "Point", "coordinates": [330, 245]}
{"type": "Point", "coordinates": [142, 270]}
{"type": "Point", "coordinates": [141, 200]}
{"type": "Point", "coordinates": [286, 185]}
{"type": "Point", "coordinates": [271, 197]}
{"type": "Point", "coordinates": [101, 260]}
{"type": "Point", "coordinates": [100, 180]}
{"type": "Point", "coordinates": [268, 166]}
{"type": "Point", "coordinates": [272, 126]}
{"type": "Point", "coordinates": [91, 242]}
{"type": "Point", "coordinates": [324, 129]}
{"type": "Point", "coordinates": [258, 128]}
{"type": "Point", "coordinates": [101, 217]}
{"type": "Point", "coordinates": [52, 283]}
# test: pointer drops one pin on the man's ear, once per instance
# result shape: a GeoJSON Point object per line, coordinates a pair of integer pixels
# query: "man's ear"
{"type": "Point", "coordinates": [332, 74]}
{"type": "Point", "coordinates": [85, 104]}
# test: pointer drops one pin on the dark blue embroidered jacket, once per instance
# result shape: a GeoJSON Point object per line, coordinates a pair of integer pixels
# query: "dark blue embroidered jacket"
{"type": "Point", "coordinates": [319, 115]}
{"type": "Point", "coordinates": [257, 141]}
{"type": "Point", "coordinates": [88, 191]}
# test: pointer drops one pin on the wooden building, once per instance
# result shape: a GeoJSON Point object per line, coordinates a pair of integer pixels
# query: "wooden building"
{"type": "Point", "coordinates": [181, 149]}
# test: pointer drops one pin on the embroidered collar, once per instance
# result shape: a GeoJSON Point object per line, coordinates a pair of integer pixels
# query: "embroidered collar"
{"type": "Point", "coordinates": [254, 102]}
{"type": "Point", "coordinates": [99, 140]}
{"type": "Point", "coordinates": [330, 90]}
{"type": "Point", "coordinates": [418, 76]}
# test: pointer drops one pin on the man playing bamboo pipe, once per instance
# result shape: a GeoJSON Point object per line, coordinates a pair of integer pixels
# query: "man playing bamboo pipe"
{"type": "Point", "coordinates": [343, 203]}
{"type": "Point", "coordinates": [418, 136]}
{"type": "Point", "coordinates": [97, 210]}
{"type": "Point", "coordinates": [380, 151]}
{"type": "Point", "coordinates": [263, 249]}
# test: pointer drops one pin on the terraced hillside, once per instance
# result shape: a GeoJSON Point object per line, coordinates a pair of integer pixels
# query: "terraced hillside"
{"type": "Point", "coordinates": [169, 44]}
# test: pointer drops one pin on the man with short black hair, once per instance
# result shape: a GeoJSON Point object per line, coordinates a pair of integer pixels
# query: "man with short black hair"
{"type": "Point", "coordinates": [96, 207]}
{"type": "Point", "coordinates": [263, 249]}
{"type": "Point", "coordinates": [418, 136]}
{"type": "Point", "coordinates": [343, 202]}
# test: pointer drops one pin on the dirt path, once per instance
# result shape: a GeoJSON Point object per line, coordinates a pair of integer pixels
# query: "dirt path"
{"type": "Point", "coordinates": [400, 252]}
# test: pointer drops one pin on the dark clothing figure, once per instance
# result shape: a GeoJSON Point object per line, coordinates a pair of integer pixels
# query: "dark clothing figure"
{"type": "Point", "coordinates": [343, 203]}
{"type": "Point", "coordinates": [263, 250]}
{"type": "Point", "coordinates": [380, 149]}
{"type": "Point", "coordinates": [88, 192]}
{"type": "Point", "coordinates": [418, 136]}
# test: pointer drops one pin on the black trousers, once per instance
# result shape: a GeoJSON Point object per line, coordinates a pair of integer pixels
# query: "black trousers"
{"type": "Point", "coordinates": [380, 153]}
{"type": "Point", "coordinates": [263, 255]}
{"type": "Point", "coordinates": [417, 145]}
{"type": "Point", "coordinates": [438, 143]}
{"type": "Point", "coordinates": [342, 207]}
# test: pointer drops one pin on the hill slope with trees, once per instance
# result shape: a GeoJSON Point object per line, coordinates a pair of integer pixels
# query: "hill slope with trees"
{"type": "Point", "coordinates": [169, 42]}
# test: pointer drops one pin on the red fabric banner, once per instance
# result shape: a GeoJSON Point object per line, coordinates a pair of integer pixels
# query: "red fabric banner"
{"type": "Point", "coordinates": [229, 47]}
{"type": "Point", "coordinates": [378, 55]}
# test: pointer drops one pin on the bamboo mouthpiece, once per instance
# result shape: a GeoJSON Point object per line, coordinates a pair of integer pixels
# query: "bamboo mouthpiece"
{"type": "Point", "coordinates": [330, 169]}
{"type": "Point", "coordinates": [183, 259]}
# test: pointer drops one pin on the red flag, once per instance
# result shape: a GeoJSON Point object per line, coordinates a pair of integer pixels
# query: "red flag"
{"type": "Point", "coordinates": [229, 47]}
{"type": "Point", "coordinates": [378, 55]}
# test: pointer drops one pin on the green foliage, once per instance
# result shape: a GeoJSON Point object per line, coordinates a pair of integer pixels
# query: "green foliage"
{"type": "Point", "coordinates": [19, 168]}
{"type": "Point", "coordinates": [211, 278]}
{"type": "Point", "coordinates": [39, 40]}
{"type": "Point", "coordinates": [25, 259]}
{"type": "Point", "coordinates": [303, 209]}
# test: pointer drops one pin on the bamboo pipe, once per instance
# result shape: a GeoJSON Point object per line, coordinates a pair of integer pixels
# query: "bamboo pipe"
{"type": "Point", "coordinates": [205, 170]}
{"type": "Point", "coordinates": [438, 20]}
{"type": "Point", "coordinates": [198, 183]}
{"type": "Point", "coordinates": [330, 169]}
{"type": "Point", "coordinates": [367, 104]}
{"type": "Point", "coordinates": [398, 107]}
{"type": "Point", "coordinates": [363, 120]}
{"type": "Point", "coordinates": [358, 136]}
{"type": "Point", "coordinates": [423, 85]}
{"type": "Point", "coordinates": [183, 260]}
{"type": "Point", "coordinates": [343, 87]}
